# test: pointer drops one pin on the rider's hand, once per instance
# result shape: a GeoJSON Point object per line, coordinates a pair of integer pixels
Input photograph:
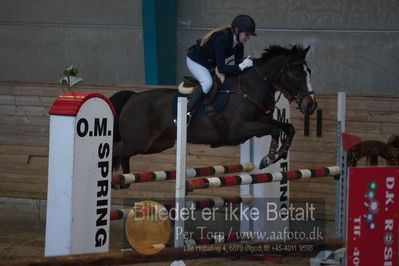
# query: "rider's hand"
{"type": "Point", "coordinates": [246, 63]}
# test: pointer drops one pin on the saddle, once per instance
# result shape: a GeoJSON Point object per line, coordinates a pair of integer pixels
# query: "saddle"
{"type": "Point", "coordinates": [190, 84]}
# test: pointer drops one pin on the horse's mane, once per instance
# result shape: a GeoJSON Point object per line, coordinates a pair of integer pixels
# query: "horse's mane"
{"type": "Point", "coordinates": [277, 50]}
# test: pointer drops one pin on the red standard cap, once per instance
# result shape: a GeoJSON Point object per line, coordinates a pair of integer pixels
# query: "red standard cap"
{"type": "Point", "coordinates": [69, 103]}
{"type": "Point", "coordinates": [348, 141]}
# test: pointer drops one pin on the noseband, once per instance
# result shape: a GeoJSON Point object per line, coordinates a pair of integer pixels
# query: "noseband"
{"type": "Point", "coordinates": [298, 97]}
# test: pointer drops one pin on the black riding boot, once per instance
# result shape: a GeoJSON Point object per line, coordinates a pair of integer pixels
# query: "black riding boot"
{"type": "Point", "coordinates": [195, 101]}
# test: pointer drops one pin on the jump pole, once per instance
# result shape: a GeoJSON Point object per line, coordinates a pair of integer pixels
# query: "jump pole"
{"type": "Point", "coordinates": [181, 165]}
{"type": "Point", "coordinates": [195, 204]}
{"type": "Point", "coordinates": [247, 179]}
{"type": "Point", "coordinates": [79, 174]}
{"type": "Point", "coordinates": [127, 179]}
{"type": "Point", "coordinates": [253, 151]}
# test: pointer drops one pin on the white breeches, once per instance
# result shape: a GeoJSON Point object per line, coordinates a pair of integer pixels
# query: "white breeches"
{"type": "Point", "coordinates": [201, 73]}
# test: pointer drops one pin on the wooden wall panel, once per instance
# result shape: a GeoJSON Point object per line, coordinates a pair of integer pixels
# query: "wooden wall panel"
{"type": "Point", "coordinates": [24, 143]}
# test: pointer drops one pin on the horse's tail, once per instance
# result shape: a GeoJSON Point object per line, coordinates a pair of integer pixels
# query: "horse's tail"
{"type": "Point", "coordinates": [119, 100]}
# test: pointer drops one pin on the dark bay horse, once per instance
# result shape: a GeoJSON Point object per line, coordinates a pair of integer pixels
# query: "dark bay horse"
{"type": "Point", "coordinates": [144, 122]}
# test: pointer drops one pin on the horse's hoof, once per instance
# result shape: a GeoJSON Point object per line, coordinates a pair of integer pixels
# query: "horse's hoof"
{"type": "Point", "coordinates": [283, 155]}
{"type": "Point", "coordinates": [120, 186]}
{"type": "Point", "coordinates": [116, 187]}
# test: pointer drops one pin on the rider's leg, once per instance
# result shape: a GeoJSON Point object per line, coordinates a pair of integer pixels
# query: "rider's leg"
{"type": "Point", "coordinates": [203, 76]}
{"type": "Point", "coordinates": [195, 100]}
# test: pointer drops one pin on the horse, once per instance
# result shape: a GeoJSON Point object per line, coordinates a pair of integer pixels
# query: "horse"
{"type": "Point", "coordinates": [145, 123]}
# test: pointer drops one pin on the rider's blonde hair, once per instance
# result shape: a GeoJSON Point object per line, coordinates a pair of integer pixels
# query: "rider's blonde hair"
{"type": "Point", "coordinates": [206, 37]}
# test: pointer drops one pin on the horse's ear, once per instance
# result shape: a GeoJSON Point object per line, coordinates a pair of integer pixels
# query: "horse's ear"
{"type": "Point", "coordinates": [306, 50]}
{"type": "Point", "coordinates": [293, 52]}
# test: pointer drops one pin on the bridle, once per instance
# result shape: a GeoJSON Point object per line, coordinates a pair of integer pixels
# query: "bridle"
{"type": "Point", "coordinates": [298, 97]}
{"type": "Point", "coordinates": [276, 86]}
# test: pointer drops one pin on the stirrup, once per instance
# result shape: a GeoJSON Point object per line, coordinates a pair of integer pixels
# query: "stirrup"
{"type": "Point", "coordinates": [189, 116]}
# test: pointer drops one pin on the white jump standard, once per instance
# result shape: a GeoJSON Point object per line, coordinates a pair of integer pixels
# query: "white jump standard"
{"type": "Point", "coordinates": [79, 175]}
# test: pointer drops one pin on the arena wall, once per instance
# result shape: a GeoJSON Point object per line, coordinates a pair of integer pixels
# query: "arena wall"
{"type": "Point", "coordinates": [353, 43]}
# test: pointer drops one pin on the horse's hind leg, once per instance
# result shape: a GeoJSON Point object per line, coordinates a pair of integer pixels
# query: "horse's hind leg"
{"type": "Point", "coordinates": [125, 164]}
{"type": "Point", "coordinates": [120, 158]}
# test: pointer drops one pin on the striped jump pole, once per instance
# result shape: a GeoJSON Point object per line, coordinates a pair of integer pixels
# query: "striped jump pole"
{"type": "Point", "coordinates": [123, 213]}
{"type": "Point", "coordinates": [194, 204]}
{"type": "Point", "coordinates": [246, 179]}
{"type": "Point", "coordinates": [218, 202]}
{"type": "Point", "coordinates": [124, 180]}
{"type": "Point", "coordinates": [119, 214]}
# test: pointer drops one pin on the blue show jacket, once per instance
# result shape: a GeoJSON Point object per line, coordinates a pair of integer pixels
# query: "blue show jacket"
{"type": "Point", "coordinates": [216, 50]}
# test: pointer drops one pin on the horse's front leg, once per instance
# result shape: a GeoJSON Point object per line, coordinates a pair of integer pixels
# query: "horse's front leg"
{"type": "Point", "coordinates": [273, 155]}
{"type": "Point", "coordinates": [282, 153]}
{"type": "Point", "coordinates": [249, 129]}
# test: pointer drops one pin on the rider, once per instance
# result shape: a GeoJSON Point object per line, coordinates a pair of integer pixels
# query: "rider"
{"type": "Point", "coordinates": [213, 49]}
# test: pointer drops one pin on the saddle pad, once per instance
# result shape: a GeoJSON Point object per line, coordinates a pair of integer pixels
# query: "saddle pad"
{"type": "Point", "coordinates": [218, 103]}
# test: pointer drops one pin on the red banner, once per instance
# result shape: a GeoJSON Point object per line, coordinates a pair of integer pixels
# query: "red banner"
{"type": "Point", "coordinates": [373, 216]}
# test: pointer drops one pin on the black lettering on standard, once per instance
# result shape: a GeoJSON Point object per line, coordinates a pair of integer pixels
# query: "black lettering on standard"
{"type": "Point", "coordinates": [283, 195]}
{"type": "Point", "coordinates": [103, 185]}
{"type": "Point", "coordinates": [101, 237]}
{"type": "Point", "coordinates": [103, 150]}
{"type": "Point", "coordinates": [82, 131]}
{"type": "Point", "coordinates": [284, 166]}
{"type": "Point", "coordinates": [104, 168]}
{"type": "Point", "coordinates": [283, 183]}
{"type": "Point", "coordinates": [100, 130]}
{"type": "Point", "coordinates": [101, 221]}
{"type": "Point", "coordinates": [103, 202]}
{"type": "Point", "coordinates": [281, 115]}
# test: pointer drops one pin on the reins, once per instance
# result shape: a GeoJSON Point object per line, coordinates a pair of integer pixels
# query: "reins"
{"type": "Point", "coordinates": [238, 91]}
{"type": "Point", "coordinates": [249, 98]}
{"type": "Point", "coordinates": [275, 87]}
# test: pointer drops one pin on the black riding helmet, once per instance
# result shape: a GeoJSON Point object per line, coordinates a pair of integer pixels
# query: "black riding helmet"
{"type": "Point", "coordinates": [244, 23]}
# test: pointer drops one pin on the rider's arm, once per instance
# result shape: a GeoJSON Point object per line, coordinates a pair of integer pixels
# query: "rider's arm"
{"type": "Point", "coordinates": [239, 54]}
{"type": "Point", "coordinates": [220, 46]}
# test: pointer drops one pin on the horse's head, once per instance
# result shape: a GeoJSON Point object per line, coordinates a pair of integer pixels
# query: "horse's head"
{"type": "Point", "coordinates": [294, 80]}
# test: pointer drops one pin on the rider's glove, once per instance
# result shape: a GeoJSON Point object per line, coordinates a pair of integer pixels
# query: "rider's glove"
{"type": "Point", "coordinates": [246, 63]}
